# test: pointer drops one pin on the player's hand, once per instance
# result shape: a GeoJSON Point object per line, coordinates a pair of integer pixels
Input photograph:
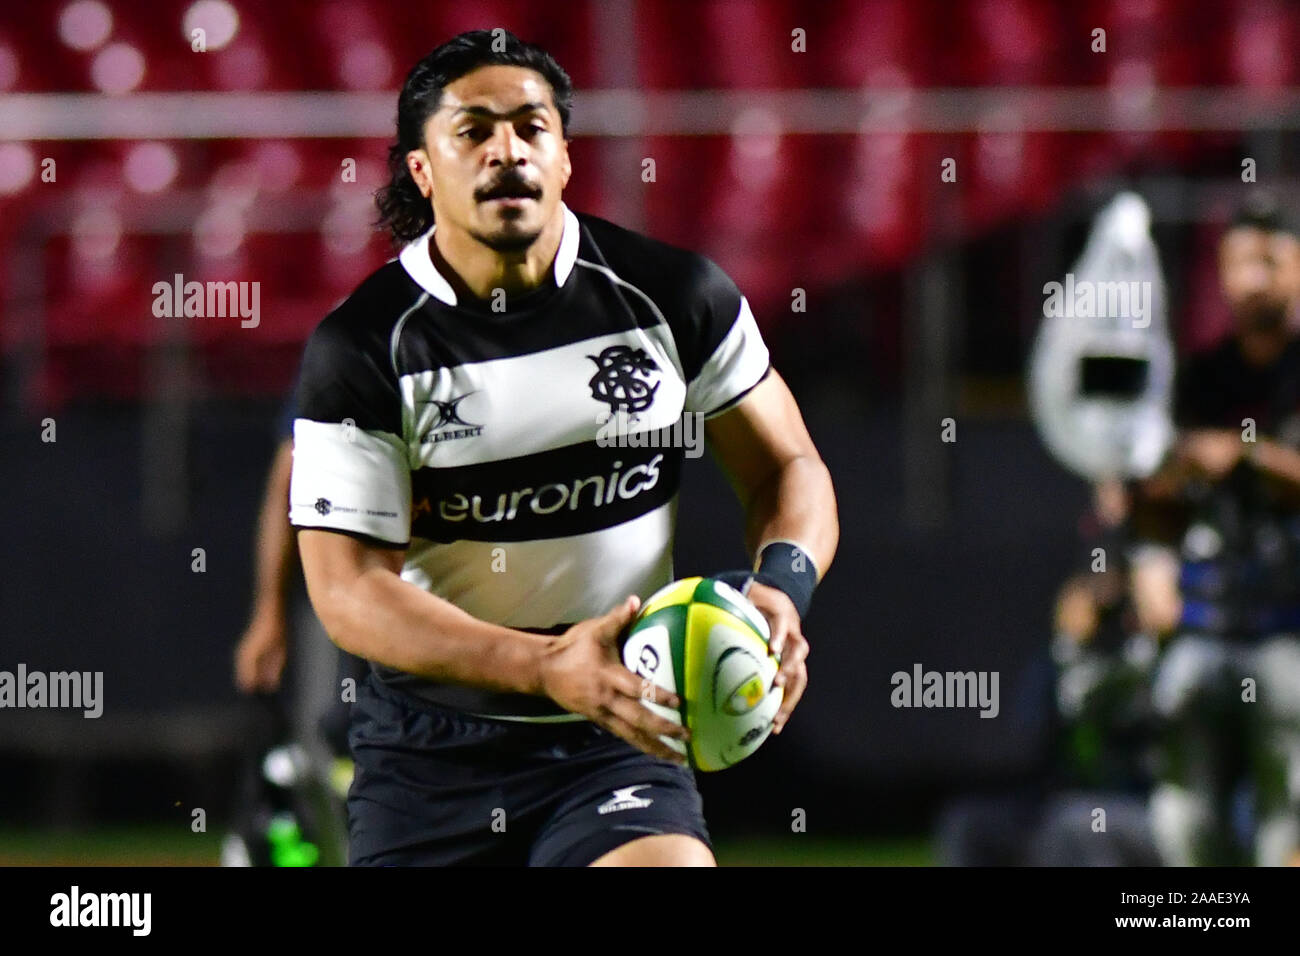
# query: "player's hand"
{"type": "Point", "coordinates": [1214, 451]}
{"type": "Point", "coordinates": [583, 673]}
{"type": "Point", "coordinates": [787, 643]}
{"type": "Point", "coordinates": [261, 654]}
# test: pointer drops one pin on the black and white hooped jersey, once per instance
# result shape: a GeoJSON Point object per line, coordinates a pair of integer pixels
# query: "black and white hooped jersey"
{"type": "Point", "coordinates": [485, 441]}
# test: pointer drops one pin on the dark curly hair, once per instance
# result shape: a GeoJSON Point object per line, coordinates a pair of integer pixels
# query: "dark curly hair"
{"type": "Point", "coordinates": [1262, 210]}
{"type": "Point", "coordinates": [402, 210]}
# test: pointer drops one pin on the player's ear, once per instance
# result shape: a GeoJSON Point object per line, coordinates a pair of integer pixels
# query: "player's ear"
{"type": "Point", "coordinates": [417, 164]}
{"type": "Point", "coordinates": [566, 167]}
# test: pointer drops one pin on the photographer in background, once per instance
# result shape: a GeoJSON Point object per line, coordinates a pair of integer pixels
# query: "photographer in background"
{"type": "Point", "coordinates": [1218, 572]}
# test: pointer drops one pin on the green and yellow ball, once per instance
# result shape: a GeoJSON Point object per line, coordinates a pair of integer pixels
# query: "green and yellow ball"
{"type": "Point", "coordinates": [704, 641]}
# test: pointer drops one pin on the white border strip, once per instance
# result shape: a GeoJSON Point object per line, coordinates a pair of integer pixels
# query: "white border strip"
{"type": "Point", "coordinates": [83, 116]}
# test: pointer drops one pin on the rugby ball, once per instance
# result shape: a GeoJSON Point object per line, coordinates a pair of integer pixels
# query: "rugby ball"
{"type": "Point", "coordinates": [704, 641]}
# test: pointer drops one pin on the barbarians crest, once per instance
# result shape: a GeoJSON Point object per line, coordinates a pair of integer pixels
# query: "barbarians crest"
{"type": "Point", "coordinates": [625, 379]}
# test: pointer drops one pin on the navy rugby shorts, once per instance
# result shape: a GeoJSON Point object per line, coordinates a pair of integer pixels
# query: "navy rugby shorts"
{"type": "Point", "coordinates": [436, 786]}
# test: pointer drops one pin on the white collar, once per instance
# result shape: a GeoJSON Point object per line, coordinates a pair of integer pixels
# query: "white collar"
{"type": "Point", "coordinates": [415, 259]}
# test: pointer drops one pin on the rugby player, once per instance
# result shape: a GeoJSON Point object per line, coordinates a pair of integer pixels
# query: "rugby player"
{"type": "Point", "coordinates": [463, 528]}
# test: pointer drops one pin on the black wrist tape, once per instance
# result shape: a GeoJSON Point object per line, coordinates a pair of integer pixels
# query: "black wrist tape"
{"type": "Point", "coordinates": [788, 568]}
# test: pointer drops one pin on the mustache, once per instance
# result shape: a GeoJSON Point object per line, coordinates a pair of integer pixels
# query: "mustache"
{"type": "Point", "coordinates": [512, 183]}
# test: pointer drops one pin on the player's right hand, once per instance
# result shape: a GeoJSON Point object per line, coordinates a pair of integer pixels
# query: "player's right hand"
{"type": "Point", "coordinates": [583, 673]}
{"type": "Point", "coordinates": [261, 655]}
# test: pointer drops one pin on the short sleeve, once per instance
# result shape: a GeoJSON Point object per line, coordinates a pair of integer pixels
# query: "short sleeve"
{"type": "Point", "coordinates": [729, 355]}
{"type": "Point", "coordinates": [351, 472]}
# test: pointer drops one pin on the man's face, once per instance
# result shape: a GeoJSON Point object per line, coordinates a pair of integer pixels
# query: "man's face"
{"type": "Point", "coordinates": [1258, 271]}
{"type": "Point", "coordinates": [495, 157]}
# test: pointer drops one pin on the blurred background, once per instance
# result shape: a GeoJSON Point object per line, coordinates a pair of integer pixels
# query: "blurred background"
{"type": "Point", "coordinates": [799, 145]}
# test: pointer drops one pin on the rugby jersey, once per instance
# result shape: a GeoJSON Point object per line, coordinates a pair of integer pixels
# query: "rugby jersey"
{"type": "Point", "coordinates": [480, 440]}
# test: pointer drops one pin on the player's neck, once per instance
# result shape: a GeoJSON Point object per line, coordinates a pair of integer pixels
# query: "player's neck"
{"type": "Point", "coordinates": [475, 270]}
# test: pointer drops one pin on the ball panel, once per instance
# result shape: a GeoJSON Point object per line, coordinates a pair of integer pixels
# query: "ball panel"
{"type": "Point", "coordinates": [703, 619]}
{"type": "Point", "coordinates": [679, 592]}
{"type": "Point", "coordinates": [722, 649]}
{"type": "Point", "coordinates": [737, 682]}
{"type": "Point", "coordinates": [743, 700]}
{"type": "Point", "coordinates": [648, 653]}
{"type": "Point", "coordinates": [651, 648]}
{"type": "Point", "coordinates": [723, 595]}
{"type": "Point", "coordinates": [700, 622]}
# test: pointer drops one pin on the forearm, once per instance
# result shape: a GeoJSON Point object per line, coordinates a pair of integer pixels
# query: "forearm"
{"type": "Point", "coordinates": [796, 504]}
{"type": "Point", "coordinates": [380, 617]}
{"type": "Point", "coordinates": [276, 551]}
{"type": "Point", "coordinates": [1277, 460]}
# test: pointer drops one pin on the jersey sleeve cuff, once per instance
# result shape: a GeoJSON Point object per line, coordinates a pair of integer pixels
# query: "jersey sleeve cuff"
{"type": "Point", "coordinates": [351, 480]}
{"type": "Point", "coordinates": [740, 362]}
{"type": "Point", "coordinates": [733, 402]}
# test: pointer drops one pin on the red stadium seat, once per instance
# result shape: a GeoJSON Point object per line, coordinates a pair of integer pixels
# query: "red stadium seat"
{"type": "Point", "coordinates": [862, 39]}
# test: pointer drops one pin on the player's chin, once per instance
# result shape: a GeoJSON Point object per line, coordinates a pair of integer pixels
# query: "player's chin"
{"type": "Point", "coordinates": [519, 213]}
{"type": "Point", "coordinates": [510, 237]}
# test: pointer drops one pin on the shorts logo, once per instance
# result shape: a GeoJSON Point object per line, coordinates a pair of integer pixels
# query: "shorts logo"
{"type": "Point", "coordinates": [322, 506]}
{"type": "Point", "coordinates": [623, 379]}
{"type": "Point", "coordinates": [449, 414]}
{"type": "Point", "coordinates": [623, 800]}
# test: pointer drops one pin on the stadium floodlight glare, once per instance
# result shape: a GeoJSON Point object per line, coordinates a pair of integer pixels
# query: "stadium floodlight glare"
{"type": "Point", "coordinates": [85, 25]}
{"type": "Point", "coordinates": [218, 20]}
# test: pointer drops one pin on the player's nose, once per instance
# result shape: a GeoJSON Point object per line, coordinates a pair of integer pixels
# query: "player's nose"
{"type": "Point", "coordinates": [506, 147]}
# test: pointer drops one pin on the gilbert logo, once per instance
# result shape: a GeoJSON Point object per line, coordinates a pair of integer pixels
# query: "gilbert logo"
{"type": "Point", "coordinates": [448, 416]}
{"type": "Point", "coordinates": [102, 909]}
{"type": "Point", "coordinates": [623, 799]}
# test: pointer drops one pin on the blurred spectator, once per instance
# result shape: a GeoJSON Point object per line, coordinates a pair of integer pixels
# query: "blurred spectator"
{"type": "Point", "coordinates": [1103, 658]}
{"type": "Point", "coordinates": [1220, 572]}
{"type": "Point", "coordinates": [1100, 756]}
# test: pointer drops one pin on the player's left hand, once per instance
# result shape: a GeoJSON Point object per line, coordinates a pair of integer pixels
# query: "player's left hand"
{"type": "Point", "coordinates": [261, 654]}
{"type": "Point", "coordinates": [787, 643]}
